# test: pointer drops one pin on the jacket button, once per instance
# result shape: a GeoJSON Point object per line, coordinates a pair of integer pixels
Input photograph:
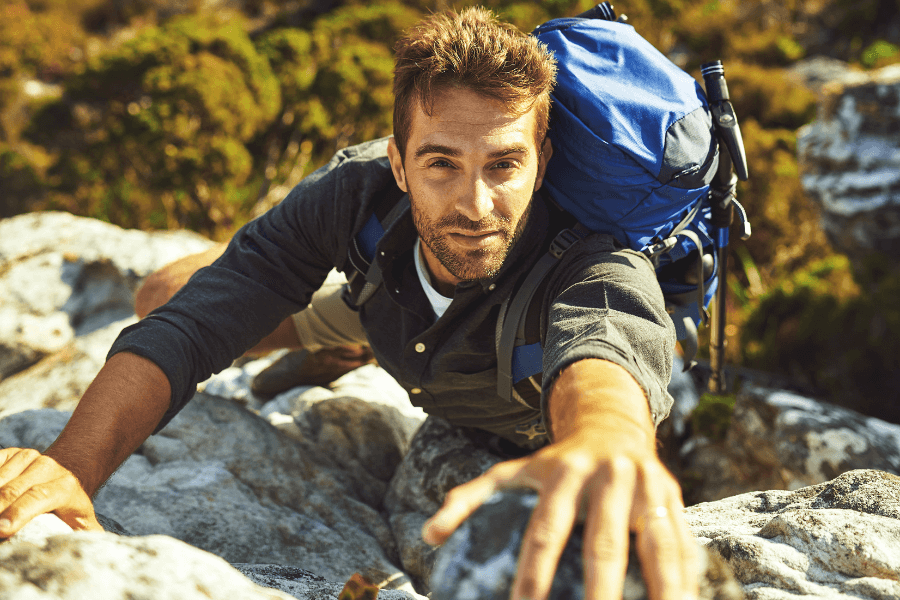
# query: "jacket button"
{"type": "Point", "coordinates": [415, 391]}
{"type": "Point", "coordinates": [420, 347]}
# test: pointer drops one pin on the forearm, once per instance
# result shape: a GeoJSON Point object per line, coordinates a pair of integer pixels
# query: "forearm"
{"type": "Point", "coordinates": [117, 413]}
{"type": "Point", "coordinates": [593, 397]}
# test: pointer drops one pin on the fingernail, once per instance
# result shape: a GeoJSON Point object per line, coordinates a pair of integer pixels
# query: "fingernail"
{"type": "Point", "coordinates": [5, 524]}
{"type": "Point", "coordinates": [428, 533]}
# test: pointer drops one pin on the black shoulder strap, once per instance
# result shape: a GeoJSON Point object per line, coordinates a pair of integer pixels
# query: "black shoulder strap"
{"type": "Point", "coordinates": [367, 276]}
{"type": "Point", "coordinates": [516, 357]}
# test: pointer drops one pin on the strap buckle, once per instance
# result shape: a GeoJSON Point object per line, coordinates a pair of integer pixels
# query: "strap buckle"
{"type": "Point", "coordinates": [562, 242]}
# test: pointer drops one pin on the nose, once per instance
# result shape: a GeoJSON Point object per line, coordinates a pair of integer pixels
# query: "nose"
{"type": "Point", "coordinates": [476, 201]}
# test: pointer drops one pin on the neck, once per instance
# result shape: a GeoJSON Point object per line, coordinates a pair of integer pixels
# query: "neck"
{"type": "Point", "coordinates": [440, 278]}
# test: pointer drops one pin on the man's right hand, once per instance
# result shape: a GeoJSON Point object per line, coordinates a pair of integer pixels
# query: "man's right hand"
{"type": "Point", "coordinates": [119, 410]}
{"type": "Point", "coordinates": [32, 484]}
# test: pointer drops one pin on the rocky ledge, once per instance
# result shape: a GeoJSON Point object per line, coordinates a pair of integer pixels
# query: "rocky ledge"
{"type": "Point", "coordinates": [242, 497]}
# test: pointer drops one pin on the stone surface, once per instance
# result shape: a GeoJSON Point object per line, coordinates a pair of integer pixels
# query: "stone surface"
{"type": "Point", "coordinates": [440, 457]}
{"type": "Point", "coordinates": [839, 539]}
{"type": "Point", "coordinates": [104, 566]}
{"type": "Point", "coordinates": [251, 496]}
{"type": "Point", "coordinates": [478, 562]}
{"type": "Point", "coordinates": [780, 440]}
{"type": "Point", "coordinates": [116, 559]}
{"type": "Point", "coordinates": [850, 160]}
{"type": "Point", "coordinates": [305, 585]}
{"type": "Point", "coordinates": [67, 285]}
{"type": "Point", "coordinates": [318, 483]}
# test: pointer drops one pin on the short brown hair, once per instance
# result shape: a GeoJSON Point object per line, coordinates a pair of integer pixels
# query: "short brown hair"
{"type": "Point", "coordinates": [474, 50]}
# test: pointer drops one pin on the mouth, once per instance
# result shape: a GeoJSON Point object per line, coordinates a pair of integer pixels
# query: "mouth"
{"type": "Point", "coordinates": [474, 238]}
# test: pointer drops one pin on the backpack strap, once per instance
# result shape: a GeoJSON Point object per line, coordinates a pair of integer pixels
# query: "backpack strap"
{"type": "Point", "coordinates": [366, 278]}
{"type": "Point", "coordinates": [517, 359]}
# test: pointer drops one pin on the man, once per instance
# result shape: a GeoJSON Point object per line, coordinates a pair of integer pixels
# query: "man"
{"type": "Point", "coordinates": [470, 150]}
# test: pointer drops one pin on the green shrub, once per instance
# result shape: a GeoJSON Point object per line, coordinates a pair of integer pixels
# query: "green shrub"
{"type": "Point", "coordinates": [712, 416]}
{"type": "Point", "coordinates": [820, 330]}
{"type": "Point", "coordinates": [151, 134]}
{"type": "Point", "coordinates": [20, 183]}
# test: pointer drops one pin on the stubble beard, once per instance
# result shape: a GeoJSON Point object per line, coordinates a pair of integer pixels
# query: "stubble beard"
{"type": "Point", "coordinates": [469, 265]}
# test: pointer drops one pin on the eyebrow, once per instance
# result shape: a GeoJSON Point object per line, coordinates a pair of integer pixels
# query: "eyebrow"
{"type": "Point", "coordinates": [426, 149]}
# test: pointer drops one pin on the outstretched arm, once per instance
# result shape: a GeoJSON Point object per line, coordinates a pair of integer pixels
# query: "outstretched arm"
{"type": "Point", "coordinates": [117, 413]}
{"type": "Point", "coordinates": [602, 466]}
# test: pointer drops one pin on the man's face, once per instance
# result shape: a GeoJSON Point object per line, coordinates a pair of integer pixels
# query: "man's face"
{"type": "Point", "coordinates": [470, 170]}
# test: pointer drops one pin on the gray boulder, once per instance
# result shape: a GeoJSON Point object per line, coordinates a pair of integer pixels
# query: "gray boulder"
{"type": "Point", "coordinates": [781, 440]}
{"type": "Point", "coordinates": [67, 285]}
{"type": "Point", "coordinates": [440, 457]}
{"type": "Point", "coordinates": [223, 480]}
{"type": "Point", "coordinates": [46, 560]}
{"type": "Point", "coordinates": [850, 159]}
{"type": "Point", "coordinates": [839, 539]}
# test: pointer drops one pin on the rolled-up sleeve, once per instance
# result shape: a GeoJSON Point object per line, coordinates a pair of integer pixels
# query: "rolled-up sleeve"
{"type": "Point", "coordinates": [605, 303]}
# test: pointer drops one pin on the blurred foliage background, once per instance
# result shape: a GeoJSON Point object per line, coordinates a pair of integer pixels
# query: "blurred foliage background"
{"type": "Point", "coordinates": [201, 114]}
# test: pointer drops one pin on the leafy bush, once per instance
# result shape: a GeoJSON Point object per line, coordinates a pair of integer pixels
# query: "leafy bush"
{"type": "Point", "coordinates": [817, 328]}
{"type": "Point", "coordinates": [154, 134]}
{"type": "Point", "coordinates": [20, 184]}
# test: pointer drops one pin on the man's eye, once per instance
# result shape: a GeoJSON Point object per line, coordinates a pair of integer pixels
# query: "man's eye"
{"type": "Point", "coordinates": [505, 164]}
{"type": "Point", "coordinates": [440, 163]}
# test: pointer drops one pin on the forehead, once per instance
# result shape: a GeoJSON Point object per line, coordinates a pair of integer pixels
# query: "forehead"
{"type": "Point", "coordinates": [463, 119]}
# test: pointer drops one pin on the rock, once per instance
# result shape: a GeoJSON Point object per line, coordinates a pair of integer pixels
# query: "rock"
{"type": "Point", "coordinates": [32, 429]}
{"type": "Point", "coordinates": [39, 529]}
{"type": "Point", "coordinates": [134, 253]}
{"type": "Point", "coordinates": [365, 419]}
{"type": "Point", "coordinates": [60, 378]}
{"type": "Point", "coordinates": [305, 585]}
{"type": "Point", "coordinates": [850, 160]}
{"type": "Point", "coordinates": [479, 560]}
{"type": "Point", "coordinates": [104, 566]}
{"type": "Point", "coordinates": [440, 457]}
{"type": "Point", "coordinates": [67, 285]}
{"type": "Point", "coordinates": [838, 539]}
{"type": "Point", "coordinates": [817, 72]}
{"type": "Point", "coordinates": [251, 496]}
{"type": "Point", "coordinates": [780, 440]}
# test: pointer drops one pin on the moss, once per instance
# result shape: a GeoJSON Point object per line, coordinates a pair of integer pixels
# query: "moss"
{"type": "Point", "coordinates": [712, 417]}
{"type": "Point", "coordinates": [832, 337]}
{"type": "Point", "coordinates": [880, 53]}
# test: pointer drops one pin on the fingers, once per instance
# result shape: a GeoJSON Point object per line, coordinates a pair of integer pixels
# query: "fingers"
{"type": "Point", "coordinates": [13, 461]}
{"type": "Point", "coordinates": [32, 484]}
{"type": "Point", "coordinates": [606, 531]}
{"type": "Point", "coordinates": [621, 493]}
{"type": "Point", "coordinates": [664, 542]}
{"type": "Point", "coordinates": [465, 499]}
{"type": "Point", "coordinates": [546, 536]}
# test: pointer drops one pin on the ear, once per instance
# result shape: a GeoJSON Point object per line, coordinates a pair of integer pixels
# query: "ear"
{"type": "Point", "coordinates": [397, 164]}
{"type": "Point", "coordinates": [546, 153]}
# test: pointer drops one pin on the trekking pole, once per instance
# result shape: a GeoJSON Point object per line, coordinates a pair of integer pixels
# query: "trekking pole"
{"type": "Point", "coordinates": [723, 199]}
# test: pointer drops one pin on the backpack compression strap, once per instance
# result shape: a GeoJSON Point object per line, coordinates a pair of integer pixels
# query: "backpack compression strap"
{"type": "Point", "coordinates": [517, 359]}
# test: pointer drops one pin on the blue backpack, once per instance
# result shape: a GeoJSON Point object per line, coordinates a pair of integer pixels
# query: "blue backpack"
{"type": "Point", "coordinates": [636, 154]}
